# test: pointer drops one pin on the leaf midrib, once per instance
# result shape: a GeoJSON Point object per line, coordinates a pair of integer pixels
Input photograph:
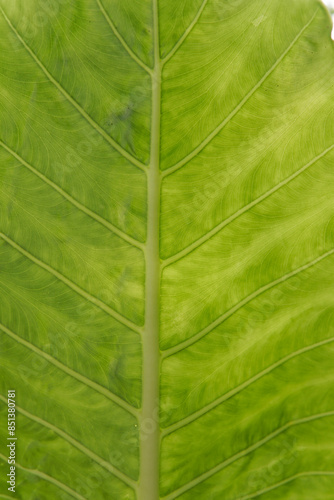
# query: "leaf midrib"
{"type": "Point", "coordinates": [150, 441]}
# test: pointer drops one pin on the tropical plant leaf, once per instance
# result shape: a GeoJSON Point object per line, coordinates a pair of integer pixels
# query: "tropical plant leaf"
{"type": "Point", "coordinates": [167, 249]}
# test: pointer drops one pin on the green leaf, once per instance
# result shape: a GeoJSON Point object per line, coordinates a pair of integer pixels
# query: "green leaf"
{"type": "Point", "coordinates": [167, 249]}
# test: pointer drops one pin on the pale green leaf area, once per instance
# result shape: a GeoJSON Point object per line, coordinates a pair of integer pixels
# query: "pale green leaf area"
{"type": "Point", "coordinates": [167, 249]}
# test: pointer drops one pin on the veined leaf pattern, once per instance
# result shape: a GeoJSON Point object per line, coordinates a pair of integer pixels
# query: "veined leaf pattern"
{"type": "Point", "coordinates": [166, 248]}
